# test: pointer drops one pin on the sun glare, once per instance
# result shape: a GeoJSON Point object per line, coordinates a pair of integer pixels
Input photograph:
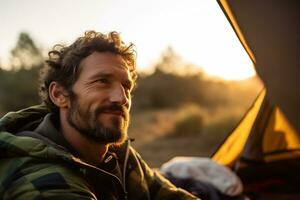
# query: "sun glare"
{"type": "Point", "coordinates": [197, 30]}
{"type": "Point", "coordinates": [200, 34]}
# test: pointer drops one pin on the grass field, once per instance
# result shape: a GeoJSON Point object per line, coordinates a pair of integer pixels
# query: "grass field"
{"type": "Point", "coordinates": [157, 140]}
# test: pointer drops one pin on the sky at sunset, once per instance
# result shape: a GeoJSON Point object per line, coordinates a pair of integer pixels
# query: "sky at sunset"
{"type": "Point", "coordinates": [196, 29]}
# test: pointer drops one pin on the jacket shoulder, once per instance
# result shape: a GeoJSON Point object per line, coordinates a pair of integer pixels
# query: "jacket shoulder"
{"type": "Point", "coordinates": [28, 178]}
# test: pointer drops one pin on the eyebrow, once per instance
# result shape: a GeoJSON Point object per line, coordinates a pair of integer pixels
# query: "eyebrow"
{"type": "Point", "coordinates": [102, 75]}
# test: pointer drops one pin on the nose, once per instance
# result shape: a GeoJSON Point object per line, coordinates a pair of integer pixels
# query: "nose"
{"type": "Point", "coordinates": [119, 96]}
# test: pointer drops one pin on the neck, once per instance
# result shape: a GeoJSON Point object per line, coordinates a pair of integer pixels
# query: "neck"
{"type": "Point", "coordinates": [89, 151]}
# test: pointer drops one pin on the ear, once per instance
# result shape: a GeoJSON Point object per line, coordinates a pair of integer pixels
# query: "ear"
{"type": "Point", "coordinates": [58, 95]}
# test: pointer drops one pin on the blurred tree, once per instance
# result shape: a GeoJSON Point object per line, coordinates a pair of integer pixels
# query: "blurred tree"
{"type": "Point", "coordinates": [168, 60]}
{"type": "Point", "coordinates": [18, 89]}
{"type": "Point", "coordinates": [19, 86]}
{"type": "Point", "coordinates": [168, 87]}
{"type": "Point", "coordinates": [25, 54]}
{"type": "Point", "coordinates": [168, 90]}
{"type": "Point", "coordinates": [171, 62]}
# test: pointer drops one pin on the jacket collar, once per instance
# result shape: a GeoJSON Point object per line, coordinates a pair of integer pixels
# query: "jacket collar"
{"type": "Point", "coordinates": [49, 129]}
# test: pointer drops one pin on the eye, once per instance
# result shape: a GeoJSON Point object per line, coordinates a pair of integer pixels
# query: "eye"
{"type": "Point", "coordinates": [104, 80]}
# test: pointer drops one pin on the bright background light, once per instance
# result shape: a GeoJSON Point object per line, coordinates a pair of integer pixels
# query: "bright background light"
{"type": "Point", "coordinates": [196, 29]}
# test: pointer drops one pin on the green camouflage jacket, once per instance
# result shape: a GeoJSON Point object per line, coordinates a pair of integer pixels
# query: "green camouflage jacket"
{"type": "Point", "coordinates": [33, 166]}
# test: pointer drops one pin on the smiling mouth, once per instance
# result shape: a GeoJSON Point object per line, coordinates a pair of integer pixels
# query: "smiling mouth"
{"type": "Point", "coordinates": [116, 113]}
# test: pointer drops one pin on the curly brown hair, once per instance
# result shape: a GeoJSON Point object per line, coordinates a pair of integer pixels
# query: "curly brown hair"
{"type": "Point", "coordinates": [63, 63]}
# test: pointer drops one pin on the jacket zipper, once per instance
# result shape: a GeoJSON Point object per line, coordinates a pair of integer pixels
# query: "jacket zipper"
{"type": "Point", "coordinates": [119, 182]}
{"type": "Point", "coordinates": [125, 166]}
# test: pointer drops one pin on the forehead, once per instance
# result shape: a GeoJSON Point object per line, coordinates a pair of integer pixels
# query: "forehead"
{"type": "Point", "coordinates": [103, 62]}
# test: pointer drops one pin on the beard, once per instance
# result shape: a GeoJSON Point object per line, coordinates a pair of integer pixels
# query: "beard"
{"type": "Point", "coordinates": [89, 124]}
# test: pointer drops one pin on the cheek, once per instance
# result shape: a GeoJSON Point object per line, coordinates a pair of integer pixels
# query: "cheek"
{"type": "Point", "coordinates": [83, 107]}
{"type": "Point", "coordinates": [92, 99]}
{"type": "Point", "coordinates": [97, 96]}
{"type": "Point", "coordinates": [92, 92]}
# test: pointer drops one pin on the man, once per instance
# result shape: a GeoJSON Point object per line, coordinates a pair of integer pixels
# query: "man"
{"type": "Point", "coordinates": [76, 146]}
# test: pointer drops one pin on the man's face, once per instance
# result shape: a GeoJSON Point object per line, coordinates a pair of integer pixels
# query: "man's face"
{"type": "Point", "coordinates": [101, 98]}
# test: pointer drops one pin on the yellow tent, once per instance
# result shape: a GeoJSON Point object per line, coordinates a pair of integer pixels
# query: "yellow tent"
{"type": "Point", "coordinates": [264, 149]}
{"type": "Point", "coordinates": [269, 30]}
{"type": "Point", "coordinates": [264, 135]}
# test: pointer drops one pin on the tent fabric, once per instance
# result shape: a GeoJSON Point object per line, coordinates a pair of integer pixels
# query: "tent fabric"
{"type": "Point", "coordinates": [281, 140]}
{"type": "Point", "coordinates": [232, 148]}
{"type": "Point", "coordinates": [264, 149]}
{"type": "Point", "coordinates": [264, 135]}
{"type": "Point", "coordinates": [269, 31]}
